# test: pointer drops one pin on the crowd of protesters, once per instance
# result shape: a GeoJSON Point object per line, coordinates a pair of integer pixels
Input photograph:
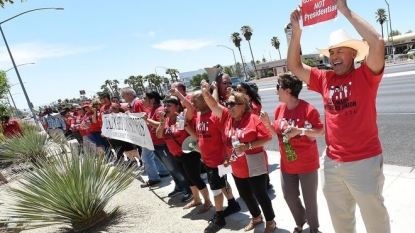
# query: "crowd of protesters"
{"type": "Point", "coordinates": [233, 122]}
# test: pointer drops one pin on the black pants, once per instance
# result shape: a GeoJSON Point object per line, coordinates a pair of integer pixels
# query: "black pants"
{"type": "Point", "coordinates": [120, 147]}
{"type": "Point", "coordinates": [189, 166]}
{"type": "Point", "coordinates": [253, 190]}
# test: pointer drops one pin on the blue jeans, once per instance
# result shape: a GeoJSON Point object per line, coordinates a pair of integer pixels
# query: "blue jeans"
{"type": "Point", "coordinates": [164, 155]}
{"type": "Point", "coordinates": [152, 164]}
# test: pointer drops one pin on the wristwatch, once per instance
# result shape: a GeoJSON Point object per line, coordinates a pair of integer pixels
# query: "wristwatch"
{"type": "Point", "coordinates": [249, 146]}
{"type": "Point", "coordinates": [302, 132]}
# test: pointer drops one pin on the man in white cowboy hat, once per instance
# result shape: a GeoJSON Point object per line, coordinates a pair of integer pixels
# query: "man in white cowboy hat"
{"type": "Point", "coordinates": [353, 159]}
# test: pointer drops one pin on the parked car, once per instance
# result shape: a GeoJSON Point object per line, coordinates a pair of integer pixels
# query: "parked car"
{"type": "Point", "coordinates": [324, 66]}
{"type": "Point", "coordinates": [236, 80]}
{"type": "Point", "coordinates": [412, 51]}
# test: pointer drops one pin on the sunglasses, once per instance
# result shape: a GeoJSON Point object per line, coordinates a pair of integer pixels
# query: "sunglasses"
{"type": "Point", "coordinates": [226, 83]}
{"type": "Point", "coordinates": [232, 104]}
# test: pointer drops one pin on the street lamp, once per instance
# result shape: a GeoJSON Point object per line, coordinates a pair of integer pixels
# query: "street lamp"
{"type": "Point", "coordinates": [155, 70]}
{"type": "Point", "coordinates": [233, 52]}
{"type": "Point", "coordinates": [390, 25]}
{"type": "Point", "coordinates": [11, 56]}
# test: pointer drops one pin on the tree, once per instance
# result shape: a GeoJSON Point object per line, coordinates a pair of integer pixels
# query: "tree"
{"type": "Point", "coordinates": [310, 62]}
{"type": "Point", "coordinates": [395, 33]}
{"type": "Point", "coordinates": [154, 82]}
{"type": "Point", "coordinates": [197, 79]}
{"type": "Point", "coordinates": [228, 70]}
{"type": "Point", "coordinates": [264, 60]}
{"type": "Point", "coordinates": [173, 73]}
{"type": "Point", "coordinates": [409, 31]}
{"type": "Point", "coordinates": [236, 39]}
{"type": "Point", "coordinates": [381, 17]}
{"type": "Point", "coordinates": [8, 1]}
{"type": "Point", "coordinates": [238, 70]}
{"type": "Point", "coordinates": [247, 32]}
{"type": "Point", "coordinates": [115, 88]}
{"type": "Point", "coordinates": [219, 66]}
{"type": "Point", "coordinates": [275, 42]}
{"type": "Point", "coordinates": [258, 62]}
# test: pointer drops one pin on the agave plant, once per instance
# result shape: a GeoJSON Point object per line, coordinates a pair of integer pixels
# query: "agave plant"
{"type": "Point", "coordinates": [67, 190]}
{"type": "Point", "coordinates": [29, 147]}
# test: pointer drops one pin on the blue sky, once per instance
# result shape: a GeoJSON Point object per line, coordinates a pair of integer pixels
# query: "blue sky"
{"type": "Point", "coordinates": [92, 41]}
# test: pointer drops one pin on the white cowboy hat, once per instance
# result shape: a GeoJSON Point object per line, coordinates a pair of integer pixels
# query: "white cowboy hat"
{"type": "Point", "coordinates": [340, 38]}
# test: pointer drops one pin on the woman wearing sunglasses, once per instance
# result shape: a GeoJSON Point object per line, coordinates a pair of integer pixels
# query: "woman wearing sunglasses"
{"type": "Point", "coordinates": [250, 180]}
{"type": "Point", "coordinates": [300, 123]}
{"type": "Point", "coordinates": [188, 163]}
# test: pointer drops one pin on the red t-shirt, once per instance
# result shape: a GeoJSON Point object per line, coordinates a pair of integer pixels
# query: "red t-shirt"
{"type": "Point", "coordinates": [305, 148]}
{"type": "Point", "coordinates": [255, 108]}
{"type": "Point", "coordinates": [105, 109]}
{"type": "Point", "coordinates": [350, 112]}
{"type": "Point", "coordinates": [77, 121]}
{"type": "Point", "coordinates": [137, 106]}
{"type": "Point", "coordinates": [248, 129]}
{"type": "Point", "coordinates": [11, 129]}
{"type": "Point", "coordinates": [209, 131]}
{"type": "Point", "coordinates": [174, 138]}
{"type": "Point", "coordinates": [153, 114]}
{"type": "Point", "coordinates": [87, 121]}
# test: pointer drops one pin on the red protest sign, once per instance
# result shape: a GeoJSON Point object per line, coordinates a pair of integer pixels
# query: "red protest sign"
{"type": "Point", "coordinates": [316, 11]}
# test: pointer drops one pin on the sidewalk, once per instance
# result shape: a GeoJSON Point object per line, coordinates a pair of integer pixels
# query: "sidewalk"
{"type": "Point", "coordinates": [399, 200]}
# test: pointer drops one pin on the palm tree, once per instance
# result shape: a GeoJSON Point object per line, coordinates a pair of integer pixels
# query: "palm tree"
{"type": "Point", "coordinates": [173, 74]}
{"type": "Point", "coordinates": [109, 84]}
{"type": "Point", "coordinates": [276, 43]}
{"type": "Point", "coordinates": [381, 17]}
{"type": "Point", "coordinates": [236, 39]}
{"type": "Point", "coordinates": [247, 32]}
{"type": "Point", "coordinates": [116, 89]}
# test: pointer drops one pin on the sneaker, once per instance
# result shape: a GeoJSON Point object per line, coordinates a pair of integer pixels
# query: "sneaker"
{"type": "Point", "coordinates": [215, 224]}
{"type": "Point", "coordinates": [233, 207]}
{"type": "Point", "coordinates": [175, 193]}
{"type": "Point", "coordinates": [187, 197]}
{"type": "Point", "coordinates": [150, 183]}
{"type": "Point", "coordinates": [164, 175]}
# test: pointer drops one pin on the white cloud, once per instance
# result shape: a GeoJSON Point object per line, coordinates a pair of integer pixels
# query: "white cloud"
{"type": "Point", "coordinates": [179, 45]}
{"type": "Point", "coordinates": [33, 51]}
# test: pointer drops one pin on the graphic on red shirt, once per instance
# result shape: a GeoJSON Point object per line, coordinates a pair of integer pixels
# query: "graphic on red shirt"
{"type": "Point", "coordinates": [209, 131]}
{"type": "Point", "coordinates": [248, 129]}
{"type": "Point", "coordinates": [350, 112]}
{"type": "Point", "coordinates": [174, 137]}
{"type": "Point", "coordinates": [303, 115]}
{"type": "Point", "coordinates": [87, 123]}
{"type": "Point", "coordinates": [78, 121]}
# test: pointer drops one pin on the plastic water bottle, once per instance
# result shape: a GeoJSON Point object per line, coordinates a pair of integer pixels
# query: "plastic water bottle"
{"type": "Point", "coordinates": [180, 122]}
{"type": "Point", "coordinates": [235, 143]}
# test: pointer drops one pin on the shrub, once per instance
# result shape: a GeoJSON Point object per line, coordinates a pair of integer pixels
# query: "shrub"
{"type": "Point", "coordinates": [270, 73]}
{"type": "Point", "coordinates": [67, 190]}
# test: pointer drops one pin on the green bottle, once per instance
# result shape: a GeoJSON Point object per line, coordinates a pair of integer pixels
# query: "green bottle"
{"type": "Point", "coordinates": [289, 151]}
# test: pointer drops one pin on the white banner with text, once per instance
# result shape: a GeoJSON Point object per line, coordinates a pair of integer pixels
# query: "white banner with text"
{"type": "Point", "coordinates": [128, 128]}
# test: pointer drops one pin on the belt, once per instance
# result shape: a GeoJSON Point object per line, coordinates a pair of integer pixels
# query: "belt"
{"type": "Point", "coordinates": [56, 128]}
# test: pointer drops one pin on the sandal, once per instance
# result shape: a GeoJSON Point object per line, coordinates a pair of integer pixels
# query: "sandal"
{"type": "Point", "coordinates": [205, 208]}
{"type": "Point", "coordinates": [253, 223]}
{"type": "Point", "coordinates": [298, 230]}
{"type": "Point", "coordinates": [191, 204]}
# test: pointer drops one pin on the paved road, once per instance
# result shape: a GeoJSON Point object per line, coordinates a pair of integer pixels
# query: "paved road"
{"type": "Point", "coordinates": [395, 106]}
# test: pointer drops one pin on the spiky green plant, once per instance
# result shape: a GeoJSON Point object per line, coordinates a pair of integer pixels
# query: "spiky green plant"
{"type": "Point", "coordinates": [68, 190]}
{"type": "Point", "coordinates": [29, 147]}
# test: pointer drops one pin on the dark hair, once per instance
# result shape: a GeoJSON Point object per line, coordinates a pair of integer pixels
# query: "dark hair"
{"type": "Point", "coordinates": [251, 93]}
{"type": "Point", "coordinates": [181, 85]}
{"type": "Point", "coordinates": [172, 100]}
{"type": "Point", "coordinates": [155, 95]}
{"type": "Point", "coordinates": [5, 118]}
{"type": "Point", "coordinates": [115, 97]}
{"type": "Point", "coordinates": [104, 96]}
{"type": "Point", "coordinates": [290, 81]}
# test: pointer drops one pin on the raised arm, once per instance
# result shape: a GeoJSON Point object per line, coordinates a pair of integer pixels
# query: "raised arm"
{"type": "Point", "coordinates": [160, 127]}
{"type": "Point", "coordinates": [375, 60]}
{"type": "Point", "coordinates": [189, 107]}
{"type": "Point", "coordinates": [216, 108]}
{"type": "Point", "coordinates": [294, 64]}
